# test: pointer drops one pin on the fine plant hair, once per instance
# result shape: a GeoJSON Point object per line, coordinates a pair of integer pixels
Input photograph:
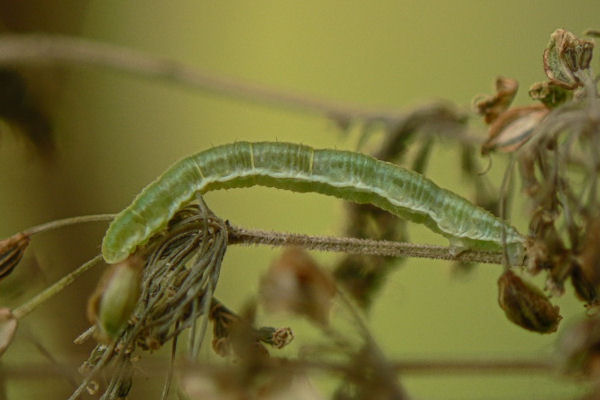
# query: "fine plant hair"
{"type": "Point", "coordinates": [165, 250]}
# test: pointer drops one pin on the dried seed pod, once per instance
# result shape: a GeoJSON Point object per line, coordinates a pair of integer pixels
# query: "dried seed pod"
{"type": "Point", "coordinates": [584, 289]}
{"type": "Point", "coordinates": [295, 283]}
{"type": "Point", "coordinates": [492, 106]}
{"type": "Point", "coordinates": [11, 252]}
{"type": "Point", "coordinates": [526, 305]}
{"type": "Point", "coordinates": [565, 56]}
{"type": "Point", "coordinates": [8, 326]}
{"type": "Point", "coordinates": [549, 94]}
{"type": "Point", "coordinates": [589, 257]}
{"type": "Point", "coordinates": [513, 128]}
{"type": "Point", "coordinates": [114, 300]}
{"type": "Point", "coordinates": [276, 337]}
{"type": "Point", "coordinates": [579, 346]}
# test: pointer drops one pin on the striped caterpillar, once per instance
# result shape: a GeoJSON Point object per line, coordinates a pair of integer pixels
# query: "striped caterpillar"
{"type": "Point", "coordinates": [346, 175]}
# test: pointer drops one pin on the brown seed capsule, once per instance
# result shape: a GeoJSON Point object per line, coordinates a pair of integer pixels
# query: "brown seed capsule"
{"type": "Point", "coordinates": [589, 257]}
{"type": "Point", "coordinates": [579, 348]}
{"type": "Point", "coordinates": [8, 326]}
{"type": "Point", "coordinates": [295, 283]}
{"type": "Point", "coordinates": [526, 305]}
{"type": "Point", "coordinates": [513, 128]}
{"type": "Point", "coordinates": [11, 252]}
{"type": "Point", "coordinates": [115, 298]}
{"type": "Point", "coordinates": [584, 289]}
{"type": "Point", "coordinates": [565, 56]}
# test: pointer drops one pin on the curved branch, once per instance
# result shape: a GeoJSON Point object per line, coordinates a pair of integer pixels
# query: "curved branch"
{"type": "Point", "coordinates": [45, 49]}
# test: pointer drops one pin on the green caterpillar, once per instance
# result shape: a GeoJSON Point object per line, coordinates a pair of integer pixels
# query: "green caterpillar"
{"type": "Point", "coordinates": [347, 175]}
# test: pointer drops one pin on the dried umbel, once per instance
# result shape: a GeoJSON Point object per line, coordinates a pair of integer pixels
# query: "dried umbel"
{"type": "Point", "coordinates": [177, 282]}
{"type": "Point", "coordinates": [564, 58]}
{"type": "Point", "coordinates": [526, 305]}
{"type": "Point", "coordinates": [113, 302]}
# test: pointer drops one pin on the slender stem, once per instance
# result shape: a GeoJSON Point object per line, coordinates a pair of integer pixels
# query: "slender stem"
{"type": "Point", "coordinates": [56, 49]}
{"type": "Point", "coordinates": [24, 309]}
{"type": "Point", "coordinates": [360, 246]}
{"type": "Point", "coordinates": [411, 367]}
{"type": "Point", "coordinates": [474, 366]}
{"type": "Point", "coordinates": [59, 223]}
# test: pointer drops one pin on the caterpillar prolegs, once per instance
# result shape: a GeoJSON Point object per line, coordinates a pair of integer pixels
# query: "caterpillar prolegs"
{"type": "Point", "coordinates": [346, 175]}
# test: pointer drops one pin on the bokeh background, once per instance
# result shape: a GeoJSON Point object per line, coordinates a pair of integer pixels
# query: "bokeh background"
{"type": "Point", "coordinates": [115, 133]}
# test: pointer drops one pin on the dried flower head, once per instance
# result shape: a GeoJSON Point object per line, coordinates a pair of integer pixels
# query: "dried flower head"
{"type": "Point", "coordinates": [11, 252]}
{"type": "Point", "coordinates": [115, 298]}
{"type": "Point", "coordinates": [565, 56]}
{"type": "Point", "coordinates": [277, 337]}
{"type": "Point", "coordinates": [8, 326]}
{"type": "Point", "coordinates": [295, 283]}
{"type": "Point", "coordinates": [492, 106]}
{"type": "Point", "coordinates": [526, 305]}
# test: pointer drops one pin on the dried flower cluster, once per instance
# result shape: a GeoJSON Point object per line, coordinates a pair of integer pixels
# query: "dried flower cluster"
{"type": "Point", "coordinates": [556, 147]}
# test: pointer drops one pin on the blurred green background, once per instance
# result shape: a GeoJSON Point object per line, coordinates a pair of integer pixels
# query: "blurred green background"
{"type": "Point", "coordinates": [115, 133]}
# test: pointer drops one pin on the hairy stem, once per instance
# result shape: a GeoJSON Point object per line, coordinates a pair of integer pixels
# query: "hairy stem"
{"type": "Point", "coordinates": [243, 236]}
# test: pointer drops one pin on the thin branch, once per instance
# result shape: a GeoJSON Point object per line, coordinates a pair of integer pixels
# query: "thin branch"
{"type": "Point", "coordinates": [16, 49]}
{"type": "Point", "coordinates": [24, 309]}
{"type": "Point", "coordinates": [248, 237]}
{"type": "Point", "coordinates": [59, 223]}
{"type": "Point", "coordinates": [411, 367]}
{"type": "Point", "coordinates": [475, 367]}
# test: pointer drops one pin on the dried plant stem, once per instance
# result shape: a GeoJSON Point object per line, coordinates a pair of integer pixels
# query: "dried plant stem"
{"type": "Point", "coordinates": [54, 49]}
{"type": "Point", "coordinates": [59, 223]}
{"type": "Point", "coordinates": [239, 235]}
{"type": "Point", "coordinates": [516, 366]}
{"type": "Point", "coordinates": [54, 289]}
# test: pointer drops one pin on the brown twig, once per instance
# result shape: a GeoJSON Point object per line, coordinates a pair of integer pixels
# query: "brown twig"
{"type": "Point", "coordinates": [463, 367]}
{"type": "Point", "coordinates": [16, 49]}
